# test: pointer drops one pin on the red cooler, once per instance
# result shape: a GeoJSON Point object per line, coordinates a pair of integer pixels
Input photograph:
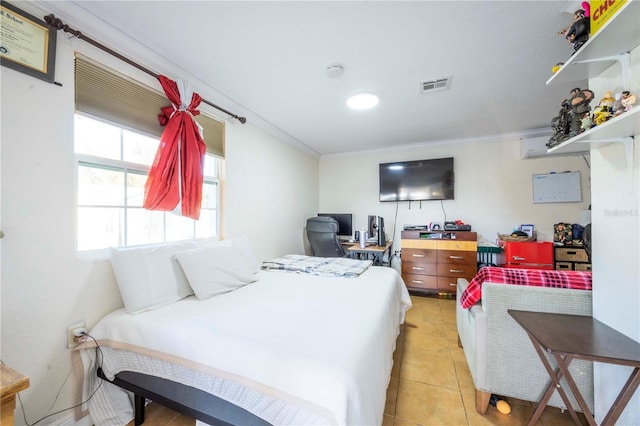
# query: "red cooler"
{"type": "Point", "coordinates": [528, 255]}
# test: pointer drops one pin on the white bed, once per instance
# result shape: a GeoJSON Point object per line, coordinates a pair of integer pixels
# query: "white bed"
{"type": "Point", "coordinates": [290, 348]}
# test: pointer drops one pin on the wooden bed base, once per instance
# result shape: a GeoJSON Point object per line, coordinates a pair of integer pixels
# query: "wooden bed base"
{"type": "Point", "coordinates": [181, 398]}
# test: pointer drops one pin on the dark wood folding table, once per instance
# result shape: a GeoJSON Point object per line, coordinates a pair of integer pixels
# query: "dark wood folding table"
{"type": "Point", "coordinates": [569, 337]}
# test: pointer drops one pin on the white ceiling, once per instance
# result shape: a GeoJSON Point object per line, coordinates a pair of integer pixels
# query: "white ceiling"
{"type": "Point", "coordinates": [269, 59]}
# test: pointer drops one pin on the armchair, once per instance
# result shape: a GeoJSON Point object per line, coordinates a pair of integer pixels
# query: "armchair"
{"type": "Point", "coordinates": [499, 354]}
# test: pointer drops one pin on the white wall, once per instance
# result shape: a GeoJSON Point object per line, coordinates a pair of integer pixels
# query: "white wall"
{"type": "Point", "coordinates": [493, 189]}
{"type": "Point", "coordinates": [271, 188]}
{"type": "Point", "coordinates": [616, 245]}
{"type": "Point", "coordinates": [616, 270]}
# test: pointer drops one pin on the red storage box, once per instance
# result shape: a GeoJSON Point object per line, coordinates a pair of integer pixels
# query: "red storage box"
{"type": "Point", "coordinates": [529, 254]}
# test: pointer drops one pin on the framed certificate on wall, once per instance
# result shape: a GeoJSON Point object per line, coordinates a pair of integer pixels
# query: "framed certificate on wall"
{"type": "Point", "coordinates": [27, 44]}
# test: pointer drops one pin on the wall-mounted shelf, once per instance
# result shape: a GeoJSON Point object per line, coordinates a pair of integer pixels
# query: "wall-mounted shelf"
{"type": "Point", "coordinates": [619, 35]}
{"type": "Point", "coordinates": [618, 129]}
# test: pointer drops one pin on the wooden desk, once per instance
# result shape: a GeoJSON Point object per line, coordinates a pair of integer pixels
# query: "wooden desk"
{"type": "Point", "coordinates": [569, 337]}
{"type": "Point", "coordinates": [375, 250]}
{"type": "Point", "coordinates": [11, 382]}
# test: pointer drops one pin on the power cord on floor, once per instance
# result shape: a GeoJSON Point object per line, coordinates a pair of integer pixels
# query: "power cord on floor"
{"type": "Point", "coordinates": [98, 364]}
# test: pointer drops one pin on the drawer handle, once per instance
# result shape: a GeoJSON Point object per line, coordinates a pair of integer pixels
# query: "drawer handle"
{"type": "Point", "coordinates": [417, 282]}
{"type": "Point", "coordinates": [453, 284]}
{"type": "Point", "coordinates": [417, 255]}
{"type": "Point", "coordinates": [518, 258]}
{"type": "Point", "coordinates": [456, 270]}
{"type": "Point", "coordinates": [572, 252]}
{"type": "Point", "coordinates": [417, 268]}
{"type": "Point", "coordinates": [456, 257]}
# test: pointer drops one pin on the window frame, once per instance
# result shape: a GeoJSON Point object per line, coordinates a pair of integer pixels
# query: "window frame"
{"type": "Point", "coordinates": [125, 167]}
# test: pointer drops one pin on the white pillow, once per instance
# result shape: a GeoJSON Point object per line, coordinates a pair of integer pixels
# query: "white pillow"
{"type": "Point", "coordinates": [242, 244]}
{"type": "Point", "coordinates": [215, 270]}
{"type": "Point", "coordinates": [149, 276]}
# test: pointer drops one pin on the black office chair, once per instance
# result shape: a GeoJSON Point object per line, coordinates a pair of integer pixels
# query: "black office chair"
{"type": "Point", "coordinates": [322, 233]}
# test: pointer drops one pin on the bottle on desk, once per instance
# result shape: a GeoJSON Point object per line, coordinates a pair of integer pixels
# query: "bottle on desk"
{"type": "Point", "coordinates": [363, 239]}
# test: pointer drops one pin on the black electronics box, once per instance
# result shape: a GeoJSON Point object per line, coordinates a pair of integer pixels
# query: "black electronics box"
{"type": "Point", "coordinates": [451, 226]}
{"type": "Point", "coordinates": [416, 227]}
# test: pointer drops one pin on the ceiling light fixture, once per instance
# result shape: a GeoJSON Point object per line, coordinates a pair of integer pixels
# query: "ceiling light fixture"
{"type": "Point", "coordinates": [362, 101]}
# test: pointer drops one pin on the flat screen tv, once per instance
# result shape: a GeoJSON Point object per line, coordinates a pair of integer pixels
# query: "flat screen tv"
{"type": "Point", "coordinates": [417, 180]}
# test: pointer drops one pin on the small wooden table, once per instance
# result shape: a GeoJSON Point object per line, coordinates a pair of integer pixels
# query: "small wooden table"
{"type": "Point", "coordinates": [376, 250]}
{"type": "Point", "coordinates": [569, 337]}
{"type": "Point", "coordinates": [11, 382]}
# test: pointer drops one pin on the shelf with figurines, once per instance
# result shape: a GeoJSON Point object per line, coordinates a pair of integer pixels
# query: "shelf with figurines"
{"type": "Point", "coordinates": [609, 132]}
{"type": "Point", "coordinates": [613, 120]}
{"type": "Point", "coordinates": [612, 43]}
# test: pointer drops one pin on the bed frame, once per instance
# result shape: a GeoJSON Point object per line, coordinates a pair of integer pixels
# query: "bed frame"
{"type": "Point", "coordinates": [181, 398]}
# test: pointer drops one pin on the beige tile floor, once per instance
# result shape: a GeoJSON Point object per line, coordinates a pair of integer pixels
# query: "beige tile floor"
{"type": "Point", "coordinates": [430, 381]}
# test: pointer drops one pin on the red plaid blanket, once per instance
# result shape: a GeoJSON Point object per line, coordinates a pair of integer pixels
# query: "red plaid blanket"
{"type": "Point", "coordinates": [537, 277]}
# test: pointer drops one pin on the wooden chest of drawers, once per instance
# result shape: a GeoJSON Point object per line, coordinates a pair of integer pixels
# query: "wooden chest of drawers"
{"type": "Point", "coordinates": [433, 261]}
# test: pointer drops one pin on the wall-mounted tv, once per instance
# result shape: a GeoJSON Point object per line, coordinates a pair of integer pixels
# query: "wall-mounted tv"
{"type": "Point", "coordinates": [417, 180]}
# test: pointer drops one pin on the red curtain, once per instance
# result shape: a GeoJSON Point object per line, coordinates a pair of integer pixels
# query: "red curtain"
{"type": "Point", "coordinates": [176, 174]}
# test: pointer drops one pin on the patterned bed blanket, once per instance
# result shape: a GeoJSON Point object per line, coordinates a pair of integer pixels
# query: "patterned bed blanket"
{"type": "Point", "coordinates": [580, 280]}
{"type": "Point", "coordinates": [322, 266]}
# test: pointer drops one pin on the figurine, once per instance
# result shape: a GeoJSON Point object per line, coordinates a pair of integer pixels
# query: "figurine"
{"type": "Point", "coordinates": [568, 122]}
{"type": "Point", "coordinates": [559, 124]}
{"type": "Point", "coordinates": [578, 33]}
{"type": "Point", "coordinates": [604, 110]}
{"type": "Point", "coordinates": [579, 105]}
{"type": "Point", "coordinates": [586, 6]}
{"type": "Point", "coordinates": [617, 107]}
{"type": "Point", "coordinates": [586, 122]}
{"type": "Point", "coordinates": [628, 100]}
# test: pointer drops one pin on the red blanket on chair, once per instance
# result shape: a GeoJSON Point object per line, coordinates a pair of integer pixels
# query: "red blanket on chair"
{"type": "Point", "coordinates": [580, 280]}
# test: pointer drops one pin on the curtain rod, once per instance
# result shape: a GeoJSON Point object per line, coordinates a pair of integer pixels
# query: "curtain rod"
{"type": "Point", "coordinates": [59, 25]}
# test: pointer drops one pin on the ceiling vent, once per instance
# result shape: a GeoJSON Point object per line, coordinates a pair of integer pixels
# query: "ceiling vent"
{"type": "Point", "coordinates": [435, 85]}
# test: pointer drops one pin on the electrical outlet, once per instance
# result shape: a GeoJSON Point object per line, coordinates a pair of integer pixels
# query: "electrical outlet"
{"type": "Point", "coordinates": [73, 331]}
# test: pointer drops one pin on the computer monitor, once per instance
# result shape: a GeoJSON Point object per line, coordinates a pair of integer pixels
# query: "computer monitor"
{"type": "Point", "coordinates": [345, 222]}
{"type": "Point", "coordinates": [376, 229]}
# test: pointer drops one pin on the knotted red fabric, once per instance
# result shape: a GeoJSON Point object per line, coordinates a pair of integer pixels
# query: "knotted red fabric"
{"type": "Point", "coordinates": [176, 173]}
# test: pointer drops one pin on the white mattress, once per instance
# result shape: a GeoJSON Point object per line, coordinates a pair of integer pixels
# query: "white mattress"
{"type": "Point", "coordinates": [290, 348]}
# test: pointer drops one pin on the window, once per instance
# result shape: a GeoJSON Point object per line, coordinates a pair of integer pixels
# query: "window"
{"type": "Point", "coordinates": [112, 167]}
{"type": "Point", "coordinates": [116, 138]}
